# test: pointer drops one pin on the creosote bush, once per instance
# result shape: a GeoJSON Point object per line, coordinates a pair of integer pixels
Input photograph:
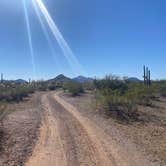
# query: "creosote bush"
{"type": "Point", "coordinates": [74, 88]}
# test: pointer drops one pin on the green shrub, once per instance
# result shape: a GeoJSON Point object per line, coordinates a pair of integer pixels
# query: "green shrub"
{"type": "Point", "coordinates": [140, 94]}
{"type": "Point", "coordinates": [111, 82]}
{"type": "Point", "coordinates": [41, 86]}
{"type": "Point", "coordinates": [161, 88]}
{"type": "Point", "coordinates": [15, 92]}
{"type": "Point", "coordinates": [117, 105]}
{"type": "Point", "coordinates": [52, 87]}
{"type": "Point", "coordinates": [122, 97]}
{"type": "Point", "coordinates": [74, 88]}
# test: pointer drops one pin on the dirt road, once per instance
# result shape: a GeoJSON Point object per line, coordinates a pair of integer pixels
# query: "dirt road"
{"type": "Point", "coordinates": [68, 138]}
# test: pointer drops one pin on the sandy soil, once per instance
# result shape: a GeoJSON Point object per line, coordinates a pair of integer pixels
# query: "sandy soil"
{"type": "Point", "coordinates": [20, 131]}
{"type": "Point", "coordinates": [67, 138]}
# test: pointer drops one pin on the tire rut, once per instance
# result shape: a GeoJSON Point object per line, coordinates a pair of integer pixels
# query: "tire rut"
{"type": "Point", "coordinates": [111, 151]}
{"type": "Point", "coordinates": [78, 147]}
{"type": "Point", "coordinates": [69, 139]}
{"type": "Point", "coordinates": [63, 140]}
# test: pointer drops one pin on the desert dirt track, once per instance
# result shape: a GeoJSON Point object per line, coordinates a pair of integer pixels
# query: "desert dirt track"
{"type": "Point", "coordinates": [69, 139]}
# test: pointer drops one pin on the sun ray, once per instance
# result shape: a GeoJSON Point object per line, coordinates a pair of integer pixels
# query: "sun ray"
{"type": "Point", "coordinates": [72, 60]}
{"type": "Point", "coordinates": [53, 53]}
{"type": "Point", "coordinates": [29, 38]}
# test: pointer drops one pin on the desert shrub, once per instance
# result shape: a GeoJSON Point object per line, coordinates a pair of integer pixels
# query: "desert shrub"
{"type": "Point", "coordinates": [74, 88]}
{"type": "Point", "coordinates": [121, 98]}
{"type": "Point", "coordinates": [111, 82]}
{"type": "Point", "coordinates": [15, 92]}
{"type": "Point", "coordinates": [52, 87]}
{"type": "Point", "coordinates": [116, 105]}
{"type": "Point", "coordinates": [2, 110]}
{"type": "Point", "coordinates": [88, 85]}
{"type": "Point", "coordinates": [163, 91]}
{"type": "Point", "coordinates": [41, 86]}
{"type": "Point", "coordinates": [161, 86]}
{"type": "Point", "coordinates": [140, 94]}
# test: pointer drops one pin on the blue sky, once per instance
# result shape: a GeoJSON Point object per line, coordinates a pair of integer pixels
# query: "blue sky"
{"type": "Point", "coordinates": [106, 36]}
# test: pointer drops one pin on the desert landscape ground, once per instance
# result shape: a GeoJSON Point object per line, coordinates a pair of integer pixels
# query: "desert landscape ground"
{"type": "Point", "coordinates": [82, 83]}
{"type": "Point", "coordinates": [55, 128]}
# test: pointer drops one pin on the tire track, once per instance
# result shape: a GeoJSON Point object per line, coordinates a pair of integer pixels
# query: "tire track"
{"type": "Point", "coordinates": [69, 139]}
{"type": "Point", "coordinates": [111, 152]}
{"type": "Point", "coordinates": [78, 147]}
{"type": "Point", "coordinates": [48, 150]}
{"type": "Point", "coordinates": [63, 140]}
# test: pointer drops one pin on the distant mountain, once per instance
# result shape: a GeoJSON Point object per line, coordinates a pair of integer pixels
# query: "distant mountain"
{"type": "Point", "coordinates": [82, 79]}
{"type": "Point", "coordinates": [63, 79]}
{"type": "Point", "coordinates": [60, 79]}
{"type": "Point", "coordinates": [133, 79]}
{"type": "Point", "coordinates": [20, 81]}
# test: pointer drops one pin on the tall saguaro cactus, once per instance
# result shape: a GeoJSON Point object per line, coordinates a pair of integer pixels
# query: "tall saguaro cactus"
{"type": "Point", "coordinates": [144, 75]}
{"type": "Point", "coordinates": [147, 76]}
{"type": "Point", "coordinates": [1, 77]}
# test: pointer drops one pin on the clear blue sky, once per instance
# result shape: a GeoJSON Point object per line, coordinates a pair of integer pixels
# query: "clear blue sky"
{"type": "Point", "coordinates": [106, 36]}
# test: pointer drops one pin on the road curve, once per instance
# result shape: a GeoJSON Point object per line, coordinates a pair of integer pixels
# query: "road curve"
{"type": "Point", "coordinates": [69, 139]}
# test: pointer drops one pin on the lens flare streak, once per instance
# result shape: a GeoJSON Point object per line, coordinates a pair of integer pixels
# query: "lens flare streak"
{"type": "Point", "coordinates": [46, 34]}
{"type": "Point", "coordinates": [72, 60]}
{"type": "Point", "coordinates": [29, 38]}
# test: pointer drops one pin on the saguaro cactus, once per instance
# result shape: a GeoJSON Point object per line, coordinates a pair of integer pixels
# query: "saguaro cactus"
{"type": "Point", "coordinates": [147, 76]}
{"type": "Point", "coordinates": [1, 77]}
{"type": "Point", "coordinates": [144, 75]}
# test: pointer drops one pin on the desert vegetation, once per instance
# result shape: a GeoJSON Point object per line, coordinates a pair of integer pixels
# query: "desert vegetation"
{"type": "Point", "coordinates": [121, 97]}
{"type": "Point", "coordinates": [2, 110]}
{"type": "Point", "coordinates": [14, 92]}
{"type": "Point", "coordinates": [113, 95]}
{"type": "Point", "coordinates": [74, 88]}
{"type": "Point", "coordinates": [118, 99]}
